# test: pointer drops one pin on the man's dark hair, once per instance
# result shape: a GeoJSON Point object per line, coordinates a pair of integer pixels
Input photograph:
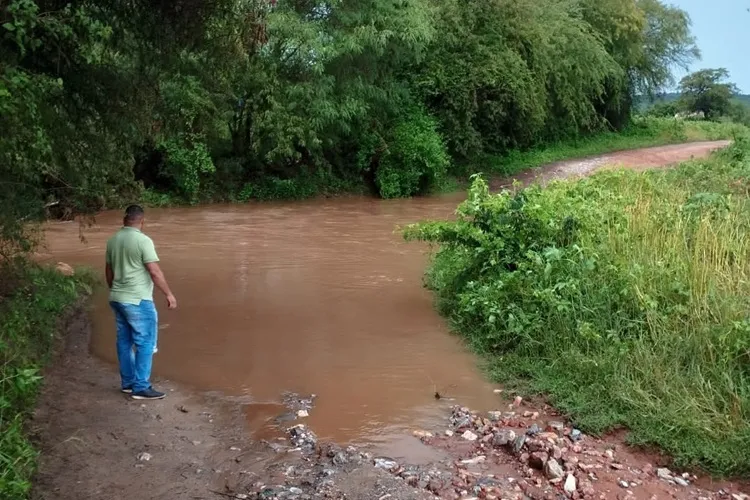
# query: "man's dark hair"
{"type": "Point", "coordinates": [134, 213]}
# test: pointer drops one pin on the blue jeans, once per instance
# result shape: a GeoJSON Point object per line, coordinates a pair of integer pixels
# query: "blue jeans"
{"type": "Point", "coordinates": [137, 328]}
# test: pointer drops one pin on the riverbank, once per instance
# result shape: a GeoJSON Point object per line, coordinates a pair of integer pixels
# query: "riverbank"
{"type": "Point", "coordinates": [32, 302]}
{"type": "Point", "coordinates": [97, 443]}
{"type": "Point", "coordinates": [618, 297]}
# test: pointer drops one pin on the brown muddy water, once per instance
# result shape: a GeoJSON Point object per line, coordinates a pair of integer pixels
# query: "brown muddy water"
{"type": "Point", "coordinates": [320, 297]}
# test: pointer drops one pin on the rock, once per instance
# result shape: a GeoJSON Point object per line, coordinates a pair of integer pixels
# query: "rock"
{"type": "Point", "coordinates": [422, 434]}
{"type": "Point", "coordinates": [234, 448]}
{"type": "Point", "coordinates": [616, 466]}
{"type": "Point", "coordinates": [538, 459]}
{"type": "Point", "coordinates": [303, 413]}
{"type": "Point", "coordinates": [302, 437]}
{"type": "Point", "coordinates": [340, 459]}
{"type": "Point", "coordinates": [518, 443]}
{"type": "Point", "coordinates": [570, 484]}
{"type": "Point", "coordinates": [533, 430]}
{"type": "Point", "coordinates": [449, 433]}
{"type": "Point", "coordinates": [64, 269]}
{"type": "Point", "coordinates": [295, 491]}
{"type": "Point", "coordinates": [623, 484]}
{"type": "Point", "coordinates": [556, 426]}
{"type": "Point", "coordinates": [503, 437]}
{"type": "Point", "coordinates": [386, 463]}
{"type": "Point", "coordinates": [498, 391]}
{"type": "Point", "coordinates": [576, 435]}
{"type": "Point", "coordinates": [553, 470]}
{"type": "Point", "coordinates": [680, 481]}
{"type": "Point", "coordinates": [664, 473]}
{"type": "Point", "coordinates": [740, 496]}
{"type": "Point", "coordinates": [469, 436]}
{"type": "Point", "coordinates": [144, 457]}
{"type": "Point", "coordinates": [610, 454]}
{"type": "Point", "coordinates": [495, 415]}
{"type": "Point", "coordinates": [474, 461]}
{"type": "Point", "coordinates": [517, 401]}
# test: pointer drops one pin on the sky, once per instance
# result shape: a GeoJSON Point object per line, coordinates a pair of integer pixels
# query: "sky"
{"type": "Point", "coordinates": [722, 29]}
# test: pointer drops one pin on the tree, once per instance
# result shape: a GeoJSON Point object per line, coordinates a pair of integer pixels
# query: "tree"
{"type": "Point", "coordinates": [707, 91]}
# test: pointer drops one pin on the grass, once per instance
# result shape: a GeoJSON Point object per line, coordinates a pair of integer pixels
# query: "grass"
{"type": "Point", "coordinates": [644, 132]}
{"type": "Point", "coordinates": [31, 304]}
{"type": "Point", "coordinates": [624, 298]}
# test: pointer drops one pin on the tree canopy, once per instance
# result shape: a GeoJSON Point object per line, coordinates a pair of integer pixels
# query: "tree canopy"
{"type": "Point", "coordinates": [708, 92]}
{"type": "Point", "coordinates": [232, 99]}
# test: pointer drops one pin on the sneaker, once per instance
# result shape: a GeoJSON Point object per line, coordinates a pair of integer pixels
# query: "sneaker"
{"type": "Point", "coordinates": [127, 390]}
{"type": "Point", "coordinates": [149, 393]}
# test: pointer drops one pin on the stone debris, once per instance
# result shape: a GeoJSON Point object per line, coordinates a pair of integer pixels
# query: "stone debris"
{"type": "Point", "coordinates": [469, 436]}
{"type": "Point", "coordinates": [144, 457]}
{"type": "Point", "coordinates": [553, 470]}
{"type": "Point", "coordinates": [551, 459]}
{"type": "Point", "coordinates": [303, 438]}
{"type": "Point", "coordinates": [570, 486]}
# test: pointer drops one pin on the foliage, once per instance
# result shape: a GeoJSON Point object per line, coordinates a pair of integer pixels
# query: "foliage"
{"type": "Point", "coordinates": [29, 311]}
{"type": "Point", "coordinates": [411, 160]}
{"type": "Point", "coordinates": [623, 297]}
{"type": "Point", "coordinates": [196, 99]}
{"type": "Point", "coordinates": [706, 92]}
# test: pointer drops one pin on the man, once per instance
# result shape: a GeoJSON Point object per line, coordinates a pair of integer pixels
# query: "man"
{"type": "Point", "coordinates": [132, 270]}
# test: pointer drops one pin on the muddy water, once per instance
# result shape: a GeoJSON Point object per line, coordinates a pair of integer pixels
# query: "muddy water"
{"type": "Point", "coordinates": [315, 297]}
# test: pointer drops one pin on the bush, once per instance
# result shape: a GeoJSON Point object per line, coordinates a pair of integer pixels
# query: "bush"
{"type": "Point", "coordinates": [624, 297]}
{"type": "Point", "coordinates": [28, 317]}
{"type": "Point", "coordinates": [415, 159]}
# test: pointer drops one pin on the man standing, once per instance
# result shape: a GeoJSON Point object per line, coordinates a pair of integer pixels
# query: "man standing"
{"type": "Point", "coordinates": [132, 270]}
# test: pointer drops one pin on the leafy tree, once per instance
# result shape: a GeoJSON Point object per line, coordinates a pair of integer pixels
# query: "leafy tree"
{"type": "Point", "coordinates": [204, 97]}
{"type": "Point", "coordinates": [707, 91]}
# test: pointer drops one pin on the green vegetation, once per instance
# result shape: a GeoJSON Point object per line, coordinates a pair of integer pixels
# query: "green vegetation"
{"type": "Point", "coordinates": [624, 297]}
{"type": "Point", "coordinates": [705, 94]}
{"type": "Point", "coordinates": [238, 99]}
{"type": "Point", "coordinates": [642, 132]}
{"type": "Point", "coordinates": [31, 301]}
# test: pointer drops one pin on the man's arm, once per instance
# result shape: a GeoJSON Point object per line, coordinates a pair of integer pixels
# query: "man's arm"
{"type": "Point", "coordinates": [110, 274]}
{"type": "Point", "coordinates": [161, 283]}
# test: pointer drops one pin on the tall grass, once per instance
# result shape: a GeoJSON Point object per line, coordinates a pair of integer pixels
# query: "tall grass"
{"type": "Point", "coordinates": [624, 297]}
{"type": "Point", "coordinates": [31, 303]}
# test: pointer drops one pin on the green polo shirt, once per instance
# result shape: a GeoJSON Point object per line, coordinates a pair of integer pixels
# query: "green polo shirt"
{"type": "Point", "coordinates": [128, 252]}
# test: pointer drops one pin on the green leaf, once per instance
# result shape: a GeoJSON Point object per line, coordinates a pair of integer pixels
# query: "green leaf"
{"type": "Point", "coordinates": [9, 26]}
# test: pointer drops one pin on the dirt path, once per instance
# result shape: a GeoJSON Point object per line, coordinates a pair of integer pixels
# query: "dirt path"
{"type": "Point", "coordinates": [98, 444]}
{"type": "Point", "coordinates": [638, 159]}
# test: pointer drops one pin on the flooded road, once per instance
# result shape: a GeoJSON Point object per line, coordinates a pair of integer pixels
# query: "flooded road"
{"type": "Point", "coordinates": [318, 297]}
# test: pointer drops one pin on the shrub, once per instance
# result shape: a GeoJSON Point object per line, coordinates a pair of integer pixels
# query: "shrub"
{"type": "Point", "coordinates": [624, 297]}
{"type": "Point", "coordinates": [415, 159]}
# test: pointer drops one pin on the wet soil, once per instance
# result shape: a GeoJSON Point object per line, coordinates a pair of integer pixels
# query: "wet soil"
{"type": "Point", "coordinates": [317, 297]}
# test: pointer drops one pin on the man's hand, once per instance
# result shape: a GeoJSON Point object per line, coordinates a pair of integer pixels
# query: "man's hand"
{"type": "Point", "coordinates": [171, 302]}
{"type": "Point", "coordinates": [161, 283]}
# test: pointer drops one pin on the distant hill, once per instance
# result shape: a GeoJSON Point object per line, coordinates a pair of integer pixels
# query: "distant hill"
{"type": "Point", "coordinates": [644, 102]}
